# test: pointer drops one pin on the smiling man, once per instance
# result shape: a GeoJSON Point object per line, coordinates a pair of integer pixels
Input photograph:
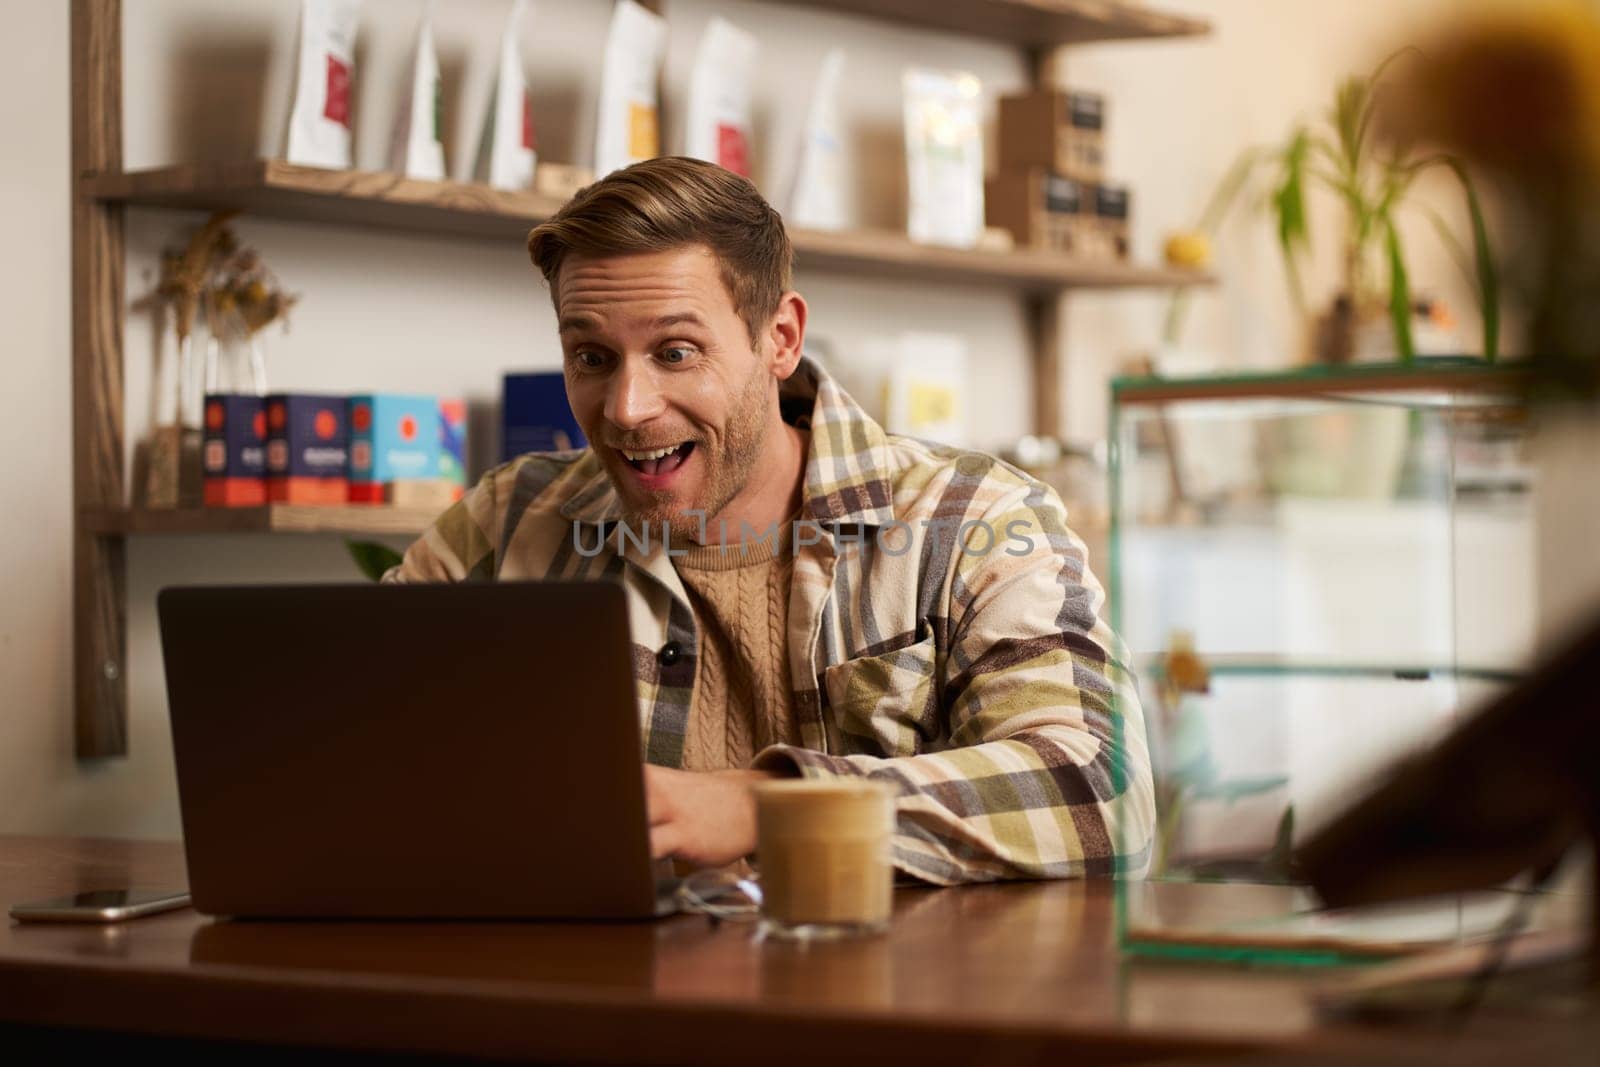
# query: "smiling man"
{"type": "Point", "coordinates": [809, 595]}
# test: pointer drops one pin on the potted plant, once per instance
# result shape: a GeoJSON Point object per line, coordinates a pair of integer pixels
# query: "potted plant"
{"type": "Point", "coordinates": [1372, 177]}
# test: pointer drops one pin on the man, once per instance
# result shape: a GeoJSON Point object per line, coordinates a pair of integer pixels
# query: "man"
{"type": "Point", "coordinates": [809, 595]}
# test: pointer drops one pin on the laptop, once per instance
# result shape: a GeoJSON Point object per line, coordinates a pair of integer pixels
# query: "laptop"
{"type": "Point", "coordinates": [464, 751]}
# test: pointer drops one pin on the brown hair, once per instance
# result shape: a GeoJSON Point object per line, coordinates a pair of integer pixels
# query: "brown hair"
{"type": "Point", "coordinates": [671, 202]}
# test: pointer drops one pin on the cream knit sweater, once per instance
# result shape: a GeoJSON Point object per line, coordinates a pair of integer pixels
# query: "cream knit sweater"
{"type": "Point", "coordinates": [743, 700]}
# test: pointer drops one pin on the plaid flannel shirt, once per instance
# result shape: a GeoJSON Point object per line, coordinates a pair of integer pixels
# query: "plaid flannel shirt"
{"type": "Point", "coordinates": [943, 636]}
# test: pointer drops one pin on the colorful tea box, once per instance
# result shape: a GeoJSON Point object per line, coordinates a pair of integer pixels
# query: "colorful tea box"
{"type": "Point", "coordinates": [392, 438]}
{"type": "Point", "coordinates": [234, 451]}
{"type": "Point", "coordinates": [535, 416]}
{"type": "Point", "coordinates": [307, 449]}
{"type": "Point", "coordinates": [453, 444]}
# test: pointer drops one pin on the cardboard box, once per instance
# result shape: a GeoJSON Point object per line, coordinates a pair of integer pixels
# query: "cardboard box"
{"type": "Point", "coordinates": [1060, 130]}
{"type": "Point", "coordinates": [1039, 209]}
{"type": "Point", "coordinates": [234, 451]}
{"type": "Point", "coordinates": [392, 437]}
{"type": "Point", "coordinates": [560, 181]}
{"type": "Point", "coordinates": [432, 494]}
{"type": "Point", "coordinates": [307, 449]}
{"type": "Point", "coordinates": [1110, 204]}
{"type": "Point", "coordinates": [535, 417]}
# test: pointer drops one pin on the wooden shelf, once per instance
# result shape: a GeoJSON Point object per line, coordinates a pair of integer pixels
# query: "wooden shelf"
{"type": "Point", "coordinates": [102, 189]}
{"type": "Point", "coordinates": [273, 518]}
{"type": "Point", "coordinates": [1035, 24]}
{"type": "Point", "coordinates": [275, 189]}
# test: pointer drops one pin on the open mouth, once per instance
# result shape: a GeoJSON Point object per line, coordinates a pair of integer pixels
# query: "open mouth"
{"type": "Point", "coordinates": [657, 461]}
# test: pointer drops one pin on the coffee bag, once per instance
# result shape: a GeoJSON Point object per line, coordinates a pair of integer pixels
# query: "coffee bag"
{"type": "Point", "coordinates": [629, 127]}
{"type": "Point", "coordinates": [718, 126]}
{"type": "Point", "coordinates": [506, 154]}
{"type": "Point", "coordinates": [418, 149]}
{"type": "Point", "coordinates": [319, 124]}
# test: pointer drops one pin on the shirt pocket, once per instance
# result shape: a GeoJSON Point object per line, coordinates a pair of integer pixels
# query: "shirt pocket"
{"type": "Point", "coordinates": [888, 704]}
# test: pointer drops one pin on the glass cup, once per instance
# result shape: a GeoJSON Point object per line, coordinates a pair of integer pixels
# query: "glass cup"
{"type": "Point", "coordinates": [823, 847]}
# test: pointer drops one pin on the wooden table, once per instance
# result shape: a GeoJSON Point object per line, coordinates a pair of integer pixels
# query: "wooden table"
{"type": "Point", "coordinates": [1002, 974]}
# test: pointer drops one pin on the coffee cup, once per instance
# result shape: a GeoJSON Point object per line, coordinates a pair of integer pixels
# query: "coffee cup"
{"type": "Point", "coordinates": [823, 849]}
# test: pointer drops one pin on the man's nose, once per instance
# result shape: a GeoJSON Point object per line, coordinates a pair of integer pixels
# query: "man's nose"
{"type": "Point", "coordinates": [632, 398]}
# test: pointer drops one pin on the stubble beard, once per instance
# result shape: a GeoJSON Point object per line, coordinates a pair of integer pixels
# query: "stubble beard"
{"type": "Point", "coordinates": [727, 473]}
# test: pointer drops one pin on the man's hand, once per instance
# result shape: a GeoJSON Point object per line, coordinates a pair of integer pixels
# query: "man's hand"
{"type": "Point", "coordinates": [705, 818]}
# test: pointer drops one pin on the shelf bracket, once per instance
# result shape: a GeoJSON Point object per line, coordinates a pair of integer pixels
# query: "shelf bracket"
{"type": "Point", "coordinates": [1047, 322]}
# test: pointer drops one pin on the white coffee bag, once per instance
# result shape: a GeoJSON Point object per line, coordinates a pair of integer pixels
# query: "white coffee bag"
{"type": "Point", "coordinates": [944, 157]}
{"type": "Point", "coordinates": [817, 200]}
{"type": "Point", "coordinates": [319, 124]}
{"type": "Point", "coordinates": [418, 148]}
{"type": "Point", "coordinates": [506, 150]}
{"type": "Point", "coordinates": [718, 123]}
{"type": "Point", "coordinates": [629, 126]}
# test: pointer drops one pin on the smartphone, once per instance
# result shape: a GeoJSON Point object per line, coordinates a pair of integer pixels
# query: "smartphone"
{"type": "Point", "coordinates": [102, 906]}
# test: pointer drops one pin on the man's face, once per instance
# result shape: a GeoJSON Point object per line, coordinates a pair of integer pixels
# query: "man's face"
{"type": "Point", "coordinates": [662, 376]}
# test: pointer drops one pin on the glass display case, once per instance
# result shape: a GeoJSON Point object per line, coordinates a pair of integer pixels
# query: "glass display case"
{"type": "Point", "coordinates": [1316, 572]}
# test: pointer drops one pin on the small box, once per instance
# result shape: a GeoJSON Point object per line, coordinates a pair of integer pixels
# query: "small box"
{"type": "Point", "coordinates": [430, 494]}
{"type": "Point", "coordinates": [307, 449]}
{"type": "Point", "coordinates": [392, 437]}
{"type": "Point", "coordinates": [1059, 130]}
{"type": "Point", "coordinates": [1110, 207]}
{"type": "Point", "coordinates": [234, 451]}
{"type": "Point", "coordinates": [453, 444]}
{"type": "Point", "coordinates": [535, 416]}
{"type": "Point", "coordinates": [1039, 209]}
{"type": "Point", "coordinates": [560, 181]}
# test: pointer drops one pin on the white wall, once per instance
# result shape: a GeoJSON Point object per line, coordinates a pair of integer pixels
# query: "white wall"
{"type": "Point", "coordinates": [207, 80]}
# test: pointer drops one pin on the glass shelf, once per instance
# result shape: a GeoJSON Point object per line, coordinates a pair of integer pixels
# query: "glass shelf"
{"type": "Point", "coordinates": [1153, 668]}
{"type": "Point", "coordinates": [1350, 552]}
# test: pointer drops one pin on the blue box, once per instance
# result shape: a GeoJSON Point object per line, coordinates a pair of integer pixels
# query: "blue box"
{"type": "Point", "coordinates": [233, 451]}
{"type": "Point", "coordinates": [307, 449]}
{"type": "Point", "coordinates": [392, 438]}
{"type": "Point", "coordinates": [535, 416]}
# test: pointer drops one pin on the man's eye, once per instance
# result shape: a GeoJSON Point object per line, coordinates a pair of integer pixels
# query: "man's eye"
{"type": "Point", "coordinates": [675, 354]}
{"type": "Point", "coordinates": [589, 359]}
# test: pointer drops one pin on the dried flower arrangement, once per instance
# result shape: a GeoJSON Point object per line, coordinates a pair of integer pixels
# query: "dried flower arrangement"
{"type": "Point", "coordinates": [239, 297]}
{"type": "Point", "coordinates": [241, 300]}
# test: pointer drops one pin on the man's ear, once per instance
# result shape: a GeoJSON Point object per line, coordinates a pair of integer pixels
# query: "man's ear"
{"type": "Point", "coordinates": [786, 335]}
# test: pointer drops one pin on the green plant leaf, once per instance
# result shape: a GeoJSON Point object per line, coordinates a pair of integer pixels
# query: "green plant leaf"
{"type": "Point", "coordinates": [1218, 204]}
{"type": "Point", "coordinates": [1349, 108]}
{"type": "Point", "coordinates": [1281, 859]}
{"type": "Point", "coordinates": [1226, 194]}
{"type": "Point", "coordinates": [1452, 244]}
{"type": "Point", "coordinates": [1488, 276]}
{"type": "Point", "coordinates": [1399, 294]}
{"type": "Point", "coordinates": [1375, 90]}
{"type": "Point", "coordinates": [372, 559]}
{"type": "Point", "coordinates": [1289, 202]}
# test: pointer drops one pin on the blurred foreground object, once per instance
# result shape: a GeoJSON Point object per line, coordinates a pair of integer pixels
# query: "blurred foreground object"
{"type": "Point", "coordinates": [1516, 91]}
{"type": "Point", "coordinates": [1508, 792]}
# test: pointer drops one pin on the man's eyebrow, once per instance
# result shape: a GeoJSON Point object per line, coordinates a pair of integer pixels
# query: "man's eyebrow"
{"type": "Point", "coordinates": [581, 320]}
{"type": "Point", "coordinates": [584, 320]}
{"type": "Point", "coordinates": [679, 318]}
